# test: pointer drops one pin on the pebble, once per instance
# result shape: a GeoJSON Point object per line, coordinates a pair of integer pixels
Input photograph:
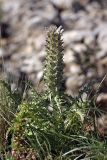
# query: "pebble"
{"type": "Point", "coordinates": [74, 69]}
{"type": "Point", "coordinates": [62, 3]}
{"type": "Point", "coordinates": [68, 56]}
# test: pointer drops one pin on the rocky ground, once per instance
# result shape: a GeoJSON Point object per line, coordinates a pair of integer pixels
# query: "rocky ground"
{"type": "Point", "coordinates": [24, 24]}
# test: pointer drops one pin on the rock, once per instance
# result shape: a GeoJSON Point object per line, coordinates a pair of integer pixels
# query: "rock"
{"type": "Point", "coordinates": [11, 6]}
{"type": "Point", "coordinates": [69, 19]}
{"type": "Point", "coordinates": [39, 75]}
{"type": "Point", "coordinates": [91, 73]}
{"type": "Point", "coordinates": [103, 62]}
{"type": "Point", "coordinates": [90, 40]}
{"type": "Point", "coordinates": [1, 52]}
{"type": "Point", "coordinates": [32, 64]}
{"type": "Point", "coordinates": [83, 19]}
{"type": "Point", "coordinates": [101, 54]}
{"type": "Point", "coordinates": [39, 42]}
{"type": "Point", "coordinates": [79, 48]}
{"type": "Point", "coordinates": [62, 3]}
{"type": "Point", "coordinates": [103, 3]}
{"type": "Point", "coordinates": [101, 124]}
{"type": "Point", "coordinates": [42, 55]}
{"type": "Point", "coordinates": [102, 38]}
{"type": "Point", "coordinates": [75, 36]}
{"type": "Point", "coordinates": [77, 6]}
{"type": "Point", "coordinates": [69, 56]}
{"type": "Point", "coordinates": [73, 84]}
{"type": "Point", "coordinates": [74, 69]}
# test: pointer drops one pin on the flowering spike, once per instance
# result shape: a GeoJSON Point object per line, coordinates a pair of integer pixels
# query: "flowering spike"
{"type": "Point", "coordinates": [53, 75]}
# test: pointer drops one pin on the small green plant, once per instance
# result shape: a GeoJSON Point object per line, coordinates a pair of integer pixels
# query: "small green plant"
{"type": "Point", "coordinates": [51, 125]}
{"type": "Point", "coordinates": [8, 107]}
{"type": "Point", "coordinates": [48, 121]}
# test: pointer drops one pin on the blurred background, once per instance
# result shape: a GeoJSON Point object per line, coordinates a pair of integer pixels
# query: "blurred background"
{"type": "Point", "coordinates": [24, 24]}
